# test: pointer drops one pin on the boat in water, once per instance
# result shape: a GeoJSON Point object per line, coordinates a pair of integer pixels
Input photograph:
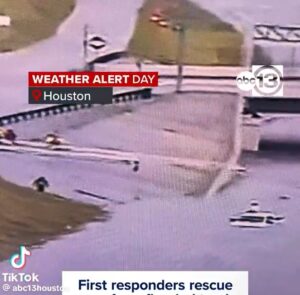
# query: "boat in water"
{"type": "Point", "coordinates": [256, 218]}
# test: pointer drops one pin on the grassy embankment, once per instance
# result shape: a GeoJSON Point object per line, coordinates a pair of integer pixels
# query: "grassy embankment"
{"type": "Point", "coordinates": [31, 218]}
{"type": "Point", "coordinates": [32, 21]}
{"type": "Point", "coordinates": [209, 40]}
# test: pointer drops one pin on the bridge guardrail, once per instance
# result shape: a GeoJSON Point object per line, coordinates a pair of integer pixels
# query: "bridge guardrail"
{"type": "Point", "coordinates": [120, 97]}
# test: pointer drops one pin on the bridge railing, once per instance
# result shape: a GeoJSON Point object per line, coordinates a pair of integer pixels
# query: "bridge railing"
{"type": "Point", "coordinates": [122, 96]}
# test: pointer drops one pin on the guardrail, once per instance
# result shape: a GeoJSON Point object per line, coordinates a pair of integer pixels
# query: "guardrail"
{"type": "Point", "coordinates": [120, 97]}
{"type": "Point", "coordinates": [222, 77]}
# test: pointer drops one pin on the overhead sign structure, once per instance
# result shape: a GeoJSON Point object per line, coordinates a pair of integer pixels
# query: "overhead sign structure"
{"type": "Point", "coordinates": [279, 34]}
{"type": "Point", "coordinates": [276, 33]}
{"type": "Point", "coordinates": [91, 42]}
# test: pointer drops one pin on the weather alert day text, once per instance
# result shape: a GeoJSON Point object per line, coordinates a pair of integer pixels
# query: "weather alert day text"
{"type": "Point", "coordinates": [93, 79]}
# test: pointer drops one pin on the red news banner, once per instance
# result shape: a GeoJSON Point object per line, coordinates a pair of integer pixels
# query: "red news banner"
{"type": "Point", "coordinates": [93, 79]}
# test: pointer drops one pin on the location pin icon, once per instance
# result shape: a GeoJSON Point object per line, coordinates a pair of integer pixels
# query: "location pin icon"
{"type": "Point", "coordinates": [36, 94]}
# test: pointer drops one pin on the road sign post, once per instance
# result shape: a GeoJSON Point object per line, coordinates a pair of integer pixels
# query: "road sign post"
{"type": "Point", "coordinates": [180, 55]}
{"type": "Point", "coordinates": [85, 45]}
{"type": "Point", "coordinates": [180, 29]}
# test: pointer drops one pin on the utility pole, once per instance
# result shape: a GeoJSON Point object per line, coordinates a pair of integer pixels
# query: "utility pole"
{"type": "Point", "coordinates": [180, 29]}
{"type": "Point", "coordinates": [247, 47]}
{"type": "Point", "coordinates": [85, 44]}
{"type": "Point", "coordinates": [293, 59]}
{"type": "Point", "coordinates": [180, 54]}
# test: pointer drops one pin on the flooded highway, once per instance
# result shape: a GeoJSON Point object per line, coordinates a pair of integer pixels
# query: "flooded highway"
{"type": "Point", "coordinates": [157, 228]}
{"type": "Point", "coordinates": [163, 230]}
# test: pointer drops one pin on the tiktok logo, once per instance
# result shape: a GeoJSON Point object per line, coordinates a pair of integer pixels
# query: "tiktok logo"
{"type": "Point", "coordinates": [18, 260]}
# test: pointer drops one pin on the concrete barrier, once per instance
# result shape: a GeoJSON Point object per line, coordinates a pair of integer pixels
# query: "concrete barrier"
{"type": "Point", "coordinates": [251, 132]}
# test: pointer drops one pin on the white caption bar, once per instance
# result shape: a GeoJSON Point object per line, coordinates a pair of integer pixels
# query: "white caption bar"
{"type": "Point", "coordinates": [155, 283]}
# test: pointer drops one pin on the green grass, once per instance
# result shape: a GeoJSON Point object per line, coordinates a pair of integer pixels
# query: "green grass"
{"type": "Point", "coordinates": [31, 218]}
{"type": "Point", "coordinates": [32, 21]}
{"type": "Point", "coordinates": [209, 40]}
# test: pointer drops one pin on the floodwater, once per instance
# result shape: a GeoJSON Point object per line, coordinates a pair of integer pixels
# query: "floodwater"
{"type": "Point", "coordinates": [166, 231]}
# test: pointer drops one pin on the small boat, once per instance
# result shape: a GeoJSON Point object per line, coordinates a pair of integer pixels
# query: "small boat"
{"type": "Point", "coordinates": [254, 217]}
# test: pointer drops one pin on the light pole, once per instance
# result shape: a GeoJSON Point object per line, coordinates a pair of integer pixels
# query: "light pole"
{"type": "Point", "coordinates": [245, 26]}
{"type": "Point", "coordinates": [91, 42]}
{"type": "Point", "coordinates": [85, 44]}
{"type": "Point", "coordinates": [181, 30]}
{"type": "Point", "coordinates": [180, 54]}
{"type": "Point", "coordinates": [293, 58]}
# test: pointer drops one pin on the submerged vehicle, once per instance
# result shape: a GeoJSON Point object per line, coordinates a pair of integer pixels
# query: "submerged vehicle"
{"type": "Point", "coordinates": [254, 217]}
{"type": "Point", "coordinates": [250, 221]}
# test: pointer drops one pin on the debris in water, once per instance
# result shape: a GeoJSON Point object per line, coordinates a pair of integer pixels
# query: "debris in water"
{"type": "Point", "coordinates": [284, 197]}
{"type": "Point", "coordinates": [95, 196]}
{"type": "Point", "coordinates": [136, 166]}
